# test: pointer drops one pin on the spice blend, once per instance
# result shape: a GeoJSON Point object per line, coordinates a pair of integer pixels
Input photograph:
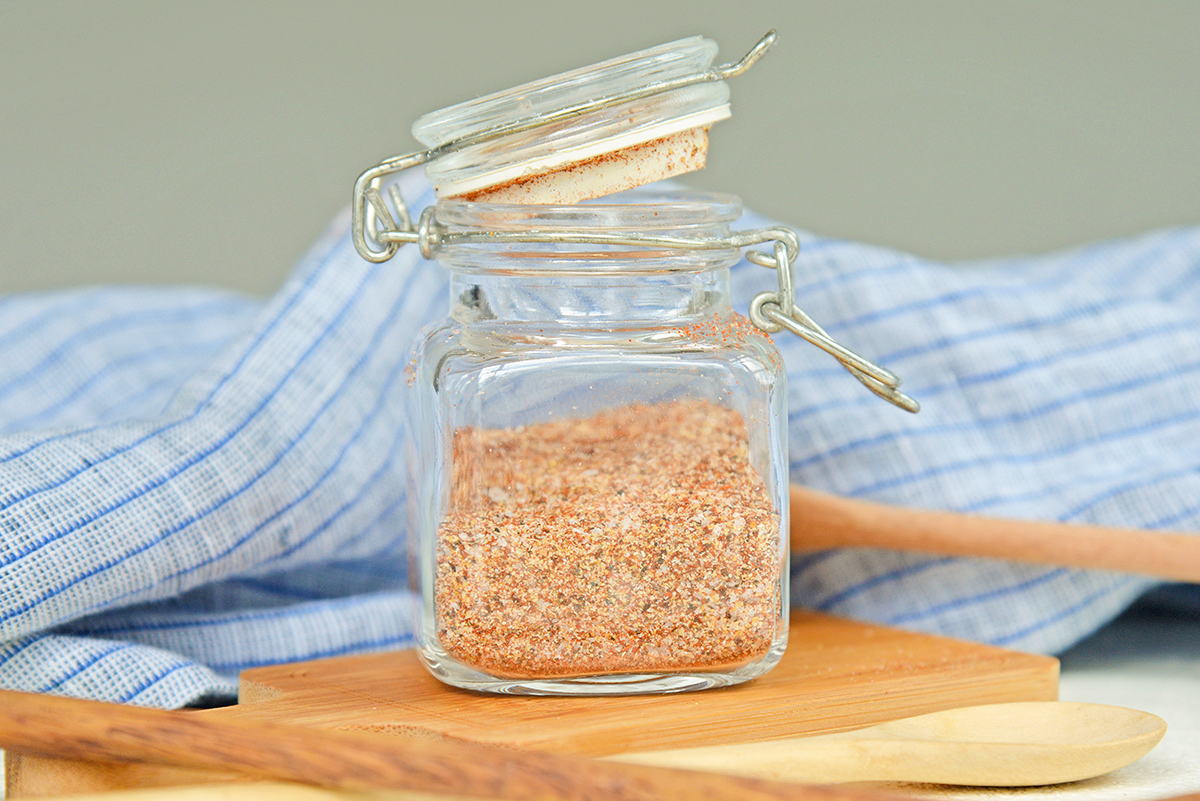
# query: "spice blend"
{"type": "Point", "coordinates": [638, 540]}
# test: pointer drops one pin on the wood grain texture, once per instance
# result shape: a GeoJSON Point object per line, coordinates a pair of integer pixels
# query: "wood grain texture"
{"type": "Point", "coordinates": [252, 791]}
{"type": "Point", "coordinates": [836, 674]}
{"type": "Point", "coordinates": [820, 521]}
{"type": "Point", "coordinates": [281, 791]}
{"type": "Point", "coordinates": [290, 791]}
{"type": "Point", "coordinates": [1015, 744]}
{"type": "Point", "coordinates": [30, 776]}
{"type": "Point", "coordinates": [54, 726]}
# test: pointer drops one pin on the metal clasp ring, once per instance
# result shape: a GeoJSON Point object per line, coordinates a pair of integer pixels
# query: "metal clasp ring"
{"type": "Point", "coordinates": [774, 311]}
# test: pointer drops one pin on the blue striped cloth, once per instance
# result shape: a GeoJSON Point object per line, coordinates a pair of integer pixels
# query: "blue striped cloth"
{"type": "Point", "coordinates": [194, 482]}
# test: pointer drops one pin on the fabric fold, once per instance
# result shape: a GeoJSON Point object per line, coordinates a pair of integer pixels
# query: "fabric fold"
{"type": "Point", "coordinates": [193, 482]}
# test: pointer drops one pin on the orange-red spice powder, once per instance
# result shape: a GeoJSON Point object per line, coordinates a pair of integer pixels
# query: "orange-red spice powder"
{"type": "Point", "coordinates": [640, 539]}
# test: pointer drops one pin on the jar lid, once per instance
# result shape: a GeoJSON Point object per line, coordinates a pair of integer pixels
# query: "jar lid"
{"type": "Point", "coordinates": [575, 138]}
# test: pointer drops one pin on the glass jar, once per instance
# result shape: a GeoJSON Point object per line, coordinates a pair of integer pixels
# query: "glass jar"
{"type": "Point", "coordinates": [599, 486]}
{"type": "Point", "coordinates": [599, 461]}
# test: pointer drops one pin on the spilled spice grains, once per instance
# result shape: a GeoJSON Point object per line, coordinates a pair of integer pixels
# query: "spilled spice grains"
{"type": "Point", "coordinates": [637, 540]}
{"type": "Point", "coordinates": [730, 331]}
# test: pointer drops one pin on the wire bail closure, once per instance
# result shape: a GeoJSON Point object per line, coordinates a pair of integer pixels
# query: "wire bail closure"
{"type": "Point", "coordinates": [771, 311]}
{"type": "Point", "coordinates": [774, 311]}
{"type": "Point", "coordinates": [371, 217]}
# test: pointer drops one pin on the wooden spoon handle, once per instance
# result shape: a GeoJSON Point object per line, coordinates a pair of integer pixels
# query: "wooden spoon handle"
{"type": "Point", "coordinates": [47, 726]}
{"type": "Point", "coordinates": [280, 791]}
{"type": "Point", "coordinates": [820, 521]}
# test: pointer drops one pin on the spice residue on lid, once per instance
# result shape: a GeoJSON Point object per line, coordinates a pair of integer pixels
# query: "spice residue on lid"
{"type": "Point", "coordinates": [605, 174]}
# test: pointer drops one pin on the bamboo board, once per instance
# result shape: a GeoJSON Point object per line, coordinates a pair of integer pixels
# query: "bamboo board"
{"type": "Point", "coordinates": [836, 674]}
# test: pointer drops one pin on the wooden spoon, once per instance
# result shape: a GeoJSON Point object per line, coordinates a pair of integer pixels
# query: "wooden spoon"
{"type": "Point", "coordinates": [92, 731]}
{"type": "Point", "coordinates": [998, 745]}
{"type": "Point", "coordinates": [820, 521]}
{"type": "Point", "coordinates": [1002, 744]}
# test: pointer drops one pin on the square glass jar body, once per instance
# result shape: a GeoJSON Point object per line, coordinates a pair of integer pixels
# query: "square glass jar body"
{"type": "Point", "coordinates": [599, 482]}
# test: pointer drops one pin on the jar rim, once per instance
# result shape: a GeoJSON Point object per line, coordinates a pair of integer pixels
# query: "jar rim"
{"type": "Point", "coordinates": [646, 210]}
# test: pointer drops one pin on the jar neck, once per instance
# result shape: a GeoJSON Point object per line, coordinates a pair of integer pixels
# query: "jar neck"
{"type": "Point", "coordinates": [588, 301]}
{"type": "Point", "coordinates": [603, 264]}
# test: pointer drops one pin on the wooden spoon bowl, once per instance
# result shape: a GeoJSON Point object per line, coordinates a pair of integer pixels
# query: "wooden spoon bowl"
{"type": "Point", "coordinates": [998, 745]}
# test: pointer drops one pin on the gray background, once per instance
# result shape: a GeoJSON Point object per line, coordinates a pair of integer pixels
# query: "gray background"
{"type": "Point", "coordinates": [210, 142]}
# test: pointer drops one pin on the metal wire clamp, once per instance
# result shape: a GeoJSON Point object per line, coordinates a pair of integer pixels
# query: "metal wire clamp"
{"type": "Point", "coordinates": [371, 216]}
{"type": "Point", "coordinates": [771, 311]}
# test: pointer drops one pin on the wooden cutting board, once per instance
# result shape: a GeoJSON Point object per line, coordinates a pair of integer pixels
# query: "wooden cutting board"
{"type": "Point", "coordinates": [836, 674]}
